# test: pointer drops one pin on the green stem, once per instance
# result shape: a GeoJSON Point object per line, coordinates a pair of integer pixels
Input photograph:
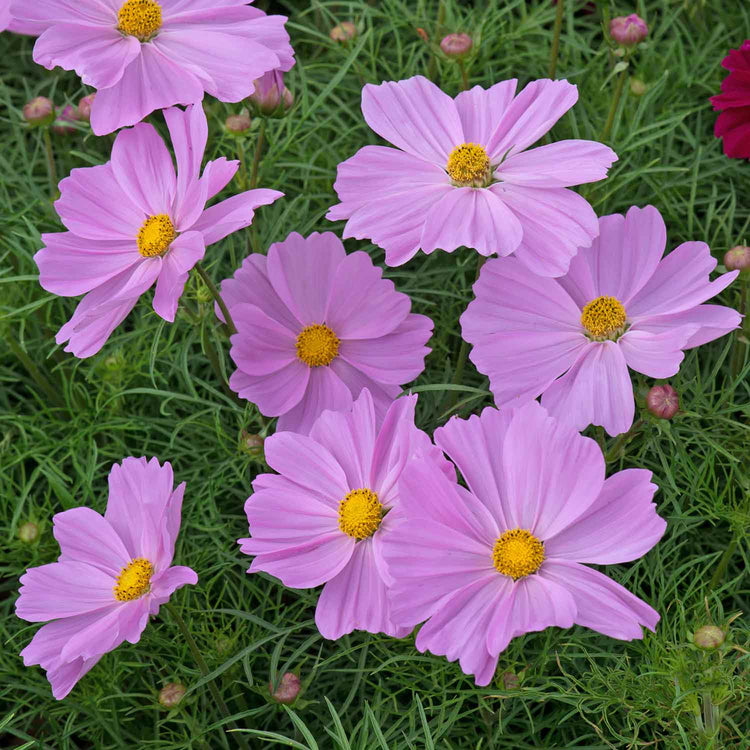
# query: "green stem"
{"type": "Point", "coordinates": [243, 165]}
{"type": "Point", "coordinates": [615, 103]}
{"type": "Point", "coordinates": [464, 77]}
{"type": "Point", "coordinates": [740, 336]}
{"type": "Point", "coordinates": [231, 328]}
{"type": "Point", "coordinates": [258, 151]}
{"type": "Point", "coordinates": [723, 563]}
{"type": "Point", "coordinates": [556, 38]}
{"type": "Point", "coordinates": [213, 358]}
{"type": "Point", "coordinates": [50, 164]}
{"type": "Point", "coordinates": [617, 449]}
{"type": "Point", "coordinates": [201, 662]}
{"type": "Point", "coordinates": [36, 374]}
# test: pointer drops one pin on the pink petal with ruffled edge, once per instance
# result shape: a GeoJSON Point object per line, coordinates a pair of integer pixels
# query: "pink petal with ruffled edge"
{"type": "Point", "coordinates": [480, 110]}
{"type": "Point", "coordinates": [274, 394]}
{"type": "Point", "coordinates": [657, 355]}
{"type": "Point", "coordinates": [262, 346]}
{"type": "Point", "coordinates": [713, 321]}
{"type": "Point", "coordinates": [355, 380]}
{"type": "Point", "coordinates": [183, 254]}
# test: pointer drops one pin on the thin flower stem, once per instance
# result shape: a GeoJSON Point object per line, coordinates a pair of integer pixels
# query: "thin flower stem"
{"type": "Point", "coordinates": [201, 662]}
{"type": "Point", "coordinates": [615, 103]}
{"type": "Point", "coordinates": [231, 328]}
{"type": "Point", "coordinates": [723, 563]}
{"type": "Point", "coordinates": [213, 358]}
{"type": "Point", "coordinates": [741, 335]}
{"type": "Point", "coordinates": [464, 77]}
{"type": "Point", "coordinates": [618, 448]}
{"type": "Point", "coordinates": [36, 374]}
{"type": "Point", "coordinates": [258, 151]}
{"type": "Point", "coordinates": [243, 165]}
{"type": "Point", "coordinates": [50, 164]}
{"type": "Point", "coordinates": [556, 38]}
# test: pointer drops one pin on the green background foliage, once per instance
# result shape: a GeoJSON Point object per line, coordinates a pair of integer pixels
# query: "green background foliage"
{"type": "Point", "coordinates": [151, 391]}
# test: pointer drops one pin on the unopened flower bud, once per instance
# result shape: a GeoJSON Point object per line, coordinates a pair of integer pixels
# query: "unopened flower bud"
{"type": "Point", "coordinates": [28, 532]}
{"type": "Point", "coordinates": [238, 124]}
{"type": "Point", "coordinates": [84, 108]}
{"type": "Point", "coordinates": [637, 87]}
{"type": "Point", "coordinates": [422, 34]}
{"type": "Point", "coordinates": [171, 694]}
{"type": "Point", "coordinates": [628, 30]}
{"type": "Point", "coordinates": [287, 689]}
{"type": "Point", "coordinates": [663, 401]}
{"type": "Point", "coordinates": [456, 45]}
{"type": "Point", "coordinates": [252, 444]}
{"type": "Point", "coordinates": [271, 96]}
{"type": "Point", "coordinates": [737, 259]}
{"type": "Point", "coordinates": [39, 111]}
{"type": "Point", "coordinates": [708, 637]}
{"type": "Point", "coordinates": [344, 32]}
{"type": "Point", "coordinates": [61, 126]}
{"type": "Point", "coordinates": [510, 681]}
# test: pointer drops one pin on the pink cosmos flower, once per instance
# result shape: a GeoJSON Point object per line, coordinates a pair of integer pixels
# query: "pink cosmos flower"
{"type": "Point", "coordinates": [733, 124]}
{"type": "Point", "coordinates": [323, 518]}
{"type": "Point", "coordinates": [315, 326]}
{"type": "Point", "coordinates": [621, 305]}
{"type": "Point", "coordinates": [144, 55]}
{"type": "Point", "coordinates": [503, 558]}
{"type": "Point", "coordinates": [462, 174]}
{"type": "Point", "coordinates": [132, 222]}
{"type": "Point", "coordinates": [112, 573]}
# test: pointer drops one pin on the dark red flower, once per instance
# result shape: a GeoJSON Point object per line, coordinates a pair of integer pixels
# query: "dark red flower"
{"type": "Point", "coordinates": [733, 124]}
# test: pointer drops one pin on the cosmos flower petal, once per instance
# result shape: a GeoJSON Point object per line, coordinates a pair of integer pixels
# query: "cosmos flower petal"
{"type": "Point", "coordinates": [99, 54]}
{"type": "Point", "coordinates": [263, 345]}
{"type": "Point", "coordinates": [556, 223]}
{"type": "Point", "coordinates": [657, 355]}
{"type": "Point", "coordinates": [87, 12]}
{"type": "Point", "coordinates": [733, 127]}
{"type": "Point", "coordinates": [171, 281]}
{"type": "Point", "coordinates": [414, 115]}
{"type": "Point", "coordinates": [218, 174]}
{"type": "Point", "coordinates": [143, 168]}
{"type": "Point", "coordinates": [152, 81]}
{"type": "Point", "coordinates": [102, 634]}
{"type": "Point", "coordinates": [276, 393]}
{"type": "Point", "coordinates": [70, 265]}
{"type": "Point", "coordinates": [679, 282]}
{"type": "Point", "coordinates": [713, 321]}
{"type": "Point", "coordinates": [356, 599]}
{"type": "Point", "coordinates": [188, 131]}
{"type": "Point", "coordinates": [356, 380]}
{"type": "Point", "coordinates": [474, 218]}
{"type": "Point", "coordinates": [167, 583]}
{"type": "Point", "coordinates": [542, 494]}
{"type": "Point", "coordinates": [558, 165]}
{"type": "Point", "coordinates": [596, 390]}
{"type": "Point", "coordinates": [621, 525]}
{"type": "Point", "coordinates": [457, 629]}
{"type": "Point", "coordinates": [602, 604]}
{"type": "Point", "coordinates": [481, 109]}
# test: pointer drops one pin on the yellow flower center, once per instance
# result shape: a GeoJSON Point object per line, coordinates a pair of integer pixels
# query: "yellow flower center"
{"type": "Point", "coordinates": [134, 580]}
{"type": "Point", "coordinates": [317, 345]}
{"type": "Point", "coordinates": [517, 553]}
{"type": "Point", "coordinates": [139, 18]}
{"type": "Point", "coordinates": [360, 513]}
{"type": "Point", "coordinates": [604, 318]}
{"type": "Point", "coordinates": [155, 236]}
{"type": "Point", "coordinates": [469, 166]}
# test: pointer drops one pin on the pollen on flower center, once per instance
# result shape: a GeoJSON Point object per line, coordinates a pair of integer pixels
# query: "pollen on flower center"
{"type": "Point", "coordinates": [469, 166]}
{"type": "Point", "coordinates": [155, 236]}
{"type": "Point", "coordinates": [360, 513]}
{"type": "Point", "coordinates": [604, 318]}
{"type": "Point", "coordinates": [134, 580]}
{"type": "Point", "coordinates": [517, 553]}
{"type": "Point", "coordinates": [317, 345]}
{"type": "Point", "coordinates": [139, 18]}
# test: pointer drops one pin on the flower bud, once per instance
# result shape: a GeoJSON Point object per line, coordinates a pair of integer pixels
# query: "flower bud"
{"type": "Point", "coordinates": [456, 45]}
{"type": "Point", "coordinates": [628, 30]}
{"type": "Point", "coordinates": [708, 637]}
{"type": "Point", "coordinates": [84, 108]}
{"type": "Point", "coordinates": [39, 111]}
{"type": "Point", "coordinates": [61, 126]}
{"type": "Point", "coordinates": [510, 681]}
{"type": "Point", "coordinates": [252, 444]}
{"type": "Point", "coordinates": [737, 259]}
{"type": "Point", "coordinates": [422, 34]}
{"type": "Point", "coordinates": [28, 532]}
{"type": "Point", "coordinates": [663, 401]}
{"type": "Point", "coordinates": [344, 32]}
{"type": "Point", "coordinates": [287, 689]}
{"type": "Point", "coordinates": [271, 96]}
{"type": "Point", "coordinates": [238, 124]}
{"type": "Point", "coordinates": [171, 694]}
{"type": "Point", "coordinates": [637, 87]}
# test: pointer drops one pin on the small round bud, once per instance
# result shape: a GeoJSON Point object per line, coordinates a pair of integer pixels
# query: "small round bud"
{"type": "Point", "coordinates": [252, 444]}
{"type": "Point", "coordinates": [238, 124]}
{"type": "Point", "coordinates": [28, 532]}
{"type": "Point", "coordinates": [344, 32]}
{"type": "Point", "coordinates": [422, 34]}
{"type": "Point", "coordinates": [171, 694]}
{"type": "Point", "coordinates": [510, 681]}
{"type": "Point", "coordinates": [637, 87]}
{"type": "Point", "coordinates": [708, 637]}
{"type": "Point", "coordinates": [737, 259]}
{"type": "Point", "coordinates": [663, 401]}
{"type": "Point", "coordinates": [456, 45]}
{"type": "Point", "coordinates": [61, 126]}
{"type": "Point", "coordinates": [84, 108]}
{"type": "Point", "coordinates": [39, 111]}
{"type": "Point", "coordinates": [628, 30]}
{"type": "Point", "coordinates": [287, 689]}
